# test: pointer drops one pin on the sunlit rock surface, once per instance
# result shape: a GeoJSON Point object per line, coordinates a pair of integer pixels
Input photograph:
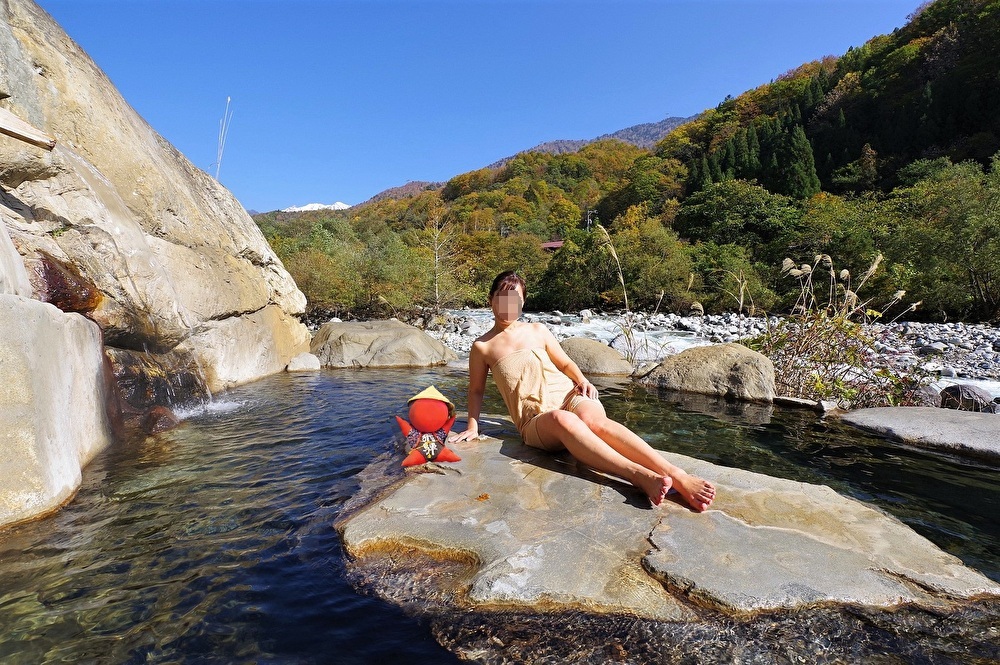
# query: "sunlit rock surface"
{"type": "Point", "coordinates": [52, 405]}
{"type": "Point", "coordinates": [13, 277]}
{"type": "Point", "coordinates": [377, 344]}
{"type": "Point", "coordinates": [116, 223]}
{"type": "Point", "coordinates": [168, 248]}
{"type": "Point", "coordinates": [238, 350]}
{"type": "Point", "coordinates": [961, 432]}
{"type": "Point", "coordinates": [304, 362]}
{"type": "Point", "coordinates": [729, 370]}
{"type": "Point", "coordinates": [533, 532]}
{"type": "Point", "coordinates": [595, 358]}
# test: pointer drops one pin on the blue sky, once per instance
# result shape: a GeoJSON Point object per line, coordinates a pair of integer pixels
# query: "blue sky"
{"type": "Point", "coordinates": [339, 100]}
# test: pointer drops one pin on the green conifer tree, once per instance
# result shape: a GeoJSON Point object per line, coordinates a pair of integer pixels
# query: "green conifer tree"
{"type": "Point", "coordinates": [727, 160]}
{"type": "Point", "coordinates": [741, 155]}
{"type": "Point", "coordinates": [801, 179]}
{"type": "Point", "coordinates": [816, 92]}
{"type": "Point", "coordinates": [714, 168]}
{"type": "Point", "coordinates": [706, 172]}
{"type": "Point", "coordinates": [753, 150]}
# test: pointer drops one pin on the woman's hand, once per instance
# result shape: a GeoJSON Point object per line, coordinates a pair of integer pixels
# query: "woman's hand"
{"type": "Point", "coordinates": [587, 389]}
{"type": "Point", "coordinates": [467, 435]}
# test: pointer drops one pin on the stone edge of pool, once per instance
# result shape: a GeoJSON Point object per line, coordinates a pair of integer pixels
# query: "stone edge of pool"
{"type": "Point", "coordinates": [534, 532]}
{"type": "Point", "coordinates": [964, 433]}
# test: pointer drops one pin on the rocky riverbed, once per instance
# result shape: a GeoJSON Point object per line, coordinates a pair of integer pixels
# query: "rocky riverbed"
{"type": "Point", "coordinates": [953, 352]}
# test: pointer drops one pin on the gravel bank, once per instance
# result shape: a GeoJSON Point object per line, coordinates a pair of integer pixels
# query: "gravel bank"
{"type": "Point", "coordinates": [949, 350]}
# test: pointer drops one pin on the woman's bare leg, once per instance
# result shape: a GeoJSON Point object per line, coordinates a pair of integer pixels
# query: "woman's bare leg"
{"type": "Point", "coordinates": [698, 492]}
{"type": "Point", "coordinates": [581, 442]}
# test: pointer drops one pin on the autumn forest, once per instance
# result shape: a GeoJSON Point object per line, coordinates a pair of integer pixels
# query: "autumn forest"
{"type": "Point", "coordinates": [890, 150]}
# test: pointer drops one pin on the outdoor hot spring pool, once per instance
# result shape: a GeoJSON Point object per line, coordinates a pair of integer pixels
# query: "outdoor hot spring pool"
{"type": "Point", "coordinates": [214, 542]}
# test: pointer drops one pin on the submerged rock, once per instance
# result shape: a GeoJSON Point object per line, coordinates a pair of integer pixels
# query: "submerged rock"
{"type": "Point", "coordinates": [531, 532]}
{"type": "Point", "coordinates": [159, 419]}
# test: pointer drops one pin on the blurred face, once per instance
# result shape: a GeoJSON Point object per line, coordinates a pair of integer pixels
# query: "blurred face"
{"type": "Point", "coordinates": [507, 304]}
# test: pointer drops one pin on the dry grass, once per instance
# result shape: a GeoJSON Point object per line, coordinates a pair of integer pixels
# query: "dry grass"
{"type": "Point", "coordinates": [825, 350]}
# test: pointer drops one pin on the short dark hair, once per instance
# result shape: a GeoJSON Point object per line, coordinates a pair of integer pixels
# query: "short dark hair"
{"type": "Point", "coordinates": [508, 280]}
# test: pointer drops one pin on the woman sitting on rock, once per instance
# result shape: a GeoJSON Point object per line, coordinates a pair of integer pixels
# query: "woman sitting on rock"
{"type": "Point", "coordinates": [554, 407]}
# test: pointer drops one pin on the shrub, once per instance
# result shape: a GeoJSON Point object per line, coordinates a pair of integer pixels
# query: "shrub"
{"type": "Point", "coordinates": [824, 350]}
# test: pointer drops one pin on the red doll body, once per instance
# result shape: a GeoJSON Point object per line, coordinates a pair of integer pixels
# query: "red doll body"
{"type": "Point", "coordinates": [431, 417]}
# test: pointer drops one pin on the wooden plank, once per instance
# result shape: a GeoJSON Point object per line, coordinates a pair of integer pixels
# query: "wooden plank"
{"type": "Point", "coordinates": [14, 127]}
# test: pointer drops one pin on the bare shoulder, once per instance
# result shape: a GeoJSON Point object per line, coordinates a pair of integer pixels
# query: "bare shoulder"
{"type": "Point", "coordinates": [479, 347]}
{"type": "Point", "coordinates": [542, 332]}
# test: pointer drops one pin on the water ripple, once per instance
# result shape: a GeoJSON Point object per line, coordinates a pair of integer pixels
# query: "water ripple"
{"type": "Point", "coordinates": [214, 542]}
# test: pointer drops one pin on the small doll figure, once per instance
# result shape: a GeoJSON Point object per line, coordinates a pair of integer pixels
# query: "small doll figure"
{"type": "Point", "coordinates": [431, 417]}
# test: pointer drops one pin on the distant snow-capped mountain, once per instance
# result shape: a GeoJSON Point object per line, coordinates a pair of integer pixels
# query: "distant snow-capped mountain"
{"type": "Point", "coordinates": [317, 206]}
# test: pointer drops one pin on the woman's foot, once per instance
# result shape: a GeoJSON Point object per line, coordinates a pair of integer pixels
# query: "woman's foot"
{"type": "Point", "coordinates": [655, 487]}
{"type": "Point", "coordinates": [697, 492]}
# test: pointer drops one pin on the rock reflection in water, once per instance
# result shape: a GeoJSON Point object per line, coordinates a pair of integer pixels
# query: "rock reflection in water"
{"type": "Point", "coordinates": [845, 635]}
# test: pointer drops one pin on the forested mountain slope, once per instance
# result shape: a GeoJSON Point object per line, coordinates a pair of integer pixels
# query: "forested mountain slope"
{"type": "Point", "coordinates": [886, 151]}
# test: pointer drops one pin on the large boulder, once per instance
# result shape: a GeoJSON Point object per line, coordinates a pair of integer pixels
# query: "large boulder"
{"type": "Point", "coordinates": [52, 405]}
{"type": "Point", "coordinates": [13, 276]}
{"type": "Point", "coordinates": [116, 223]}
{"type": "Point", "coordinates": [731, 371]}
{"type": "Point", "coordinates": [967, 397]}
{"type": "Point", "coordinates": [596, 359]}
{"type": "Point", "coordinates": [533, 532]}
{"type": "Point", "coordinates": [949, 430]}
{"type": "Point", "coordinates": [240, 349]}
{"type": "Point", "coordinates": [169, 250]}
{"type": "Point", "coordinates": [377, 344]}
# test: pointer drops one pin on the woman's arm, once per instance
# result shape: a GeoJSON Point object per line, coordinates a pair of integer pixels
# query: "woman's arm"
{"type": "Point", "coordinates": [566, 365]}
{"type": "Point", "coordinates": [477, 387]}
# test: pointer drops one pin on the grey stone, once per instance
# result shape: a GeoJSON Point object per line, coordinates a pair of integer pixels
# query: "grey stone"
{"type": "Point", "coordinates": [926, 396]}
{"type": "Point", "coordinates": [959, 432]}
{"type": "Point", "coordinates": [240, 349]}
{"type": "Point", "coordinates": [797, 403]}
{"type": "Point", "coordinates": [967, 397]}
{"type": "Point", "coordinates": [595, 358]}
{"type": "Point", "coordinates": [730, 370]}
{"type": "Point", "coordinates": [304, 362]}
{"type": "Point", "coordinates": [377, 344]}
{"type": "Point", "coordinates": [537, 533]}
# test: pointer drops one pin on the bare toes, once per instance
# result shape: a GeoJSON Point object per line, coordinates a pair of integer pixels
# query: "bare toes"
{"type": "Point", "coordinates": [660, 489]}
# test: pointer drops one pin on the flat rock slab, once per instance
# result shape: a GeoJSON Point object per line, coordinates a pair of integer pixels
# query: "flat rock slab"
{"type": "Point", "coordinates": [778, 544]}
{"type": "Point", "coordinates": [960, 432]}
{"type": "Point", "coordinates": [541, 534]}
